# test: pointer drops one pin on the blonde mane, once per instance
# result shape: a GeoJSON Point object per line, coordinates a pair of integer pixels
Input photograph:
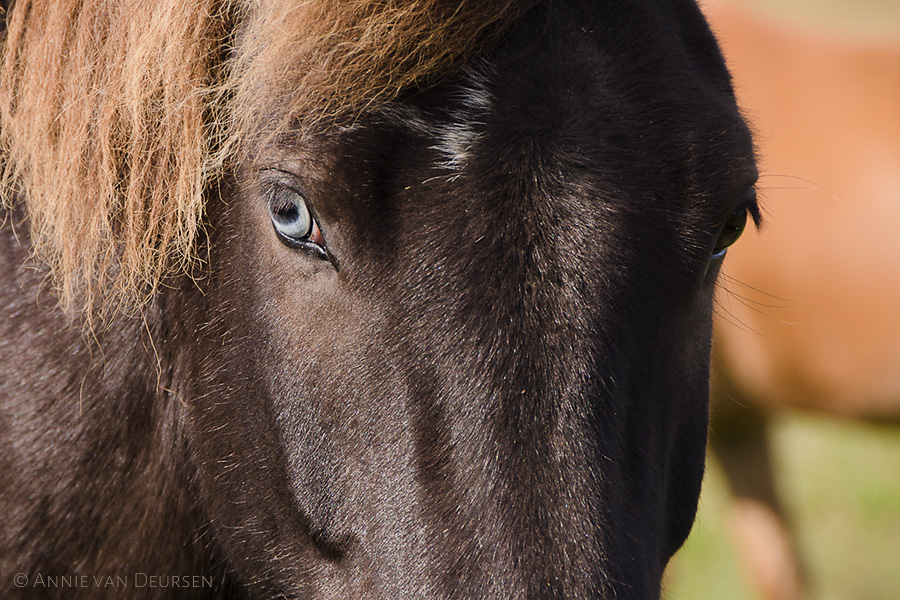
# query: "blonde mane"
{"type": "Point", "coordinates": [116, 116]}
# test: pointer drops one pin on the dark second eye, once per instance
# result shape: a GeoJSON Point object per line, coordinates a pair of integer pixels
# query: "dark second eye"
{"type": "Point", "coordinates": [736, 223]}
{"type": "Point", "coordinates": [731, 231]}
{"type": "Point", "coordinates": [291, 217]}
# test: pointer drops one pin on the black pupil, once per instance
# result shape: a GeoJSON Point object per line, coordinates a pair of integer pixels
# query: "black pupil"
{"type": "Point", "coordinates": [283, 206]}
{"type": "Point", "coordinates": [285, 212]}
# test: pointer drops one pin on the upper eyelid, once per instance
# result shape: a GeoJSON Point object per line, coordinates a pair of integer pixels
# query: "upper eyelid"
{"type": "Point", "coordinates": [282, 177]}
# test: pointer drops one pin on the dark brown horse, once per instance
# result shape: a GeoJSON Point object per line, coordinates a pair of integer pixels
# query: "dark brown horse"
{"type": "Point", "coordinates": [358, 299]}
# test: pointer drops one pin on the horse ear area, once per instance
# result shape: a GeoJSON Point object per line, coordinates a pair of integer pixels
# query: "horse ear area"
{"type": "Point", "coordinates": [106, 136]}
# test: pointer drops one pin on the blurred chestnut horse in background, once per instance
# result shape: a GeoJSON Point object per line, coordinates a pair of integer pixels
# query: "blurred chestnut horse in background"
{"type": "Point", "coordinates": [809, 318]}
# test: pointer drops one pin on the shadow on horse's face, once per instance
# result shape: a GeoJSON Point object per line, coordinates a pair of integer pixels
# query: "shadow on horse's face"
{"type": "Point", "coordinates": [484, 374]}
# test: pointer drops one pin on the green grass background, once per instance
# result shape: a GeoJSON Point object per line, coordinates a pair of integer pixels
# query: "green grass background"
{"type": "Point", "coordinates": [841, 483]}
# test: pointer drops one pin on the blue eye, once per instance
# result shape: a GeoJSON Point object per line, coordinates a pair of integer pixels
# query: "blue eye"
{"type": "Point", "coordinates": [290, 215]}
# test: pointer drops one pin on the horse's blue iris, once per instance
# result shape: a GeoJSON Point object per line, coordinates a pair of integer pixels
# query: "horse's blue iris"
{"type": "Point", "coordinates": [290, 215]}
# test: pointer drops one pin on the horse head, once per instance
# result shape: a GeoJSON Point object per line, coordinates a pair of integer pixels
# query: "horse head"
{"type": "Point", "coordinates": [451, 341]}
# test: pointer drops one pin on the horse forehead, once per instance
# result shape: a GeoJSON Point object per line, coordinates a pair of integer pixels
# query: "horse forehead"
{"type": "Point", "coordinates": [575, 82]}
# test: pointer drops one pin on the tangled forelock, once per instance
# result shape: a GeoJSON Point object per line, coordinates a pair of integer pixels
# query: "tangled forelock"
{"type": "Point", "coordinates": [117, 116]}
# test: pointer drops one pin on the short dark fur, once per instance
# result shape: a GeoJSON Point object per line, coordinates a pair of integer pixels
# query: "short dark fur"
{"type": "Point", "coordinates": [496, 386]}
